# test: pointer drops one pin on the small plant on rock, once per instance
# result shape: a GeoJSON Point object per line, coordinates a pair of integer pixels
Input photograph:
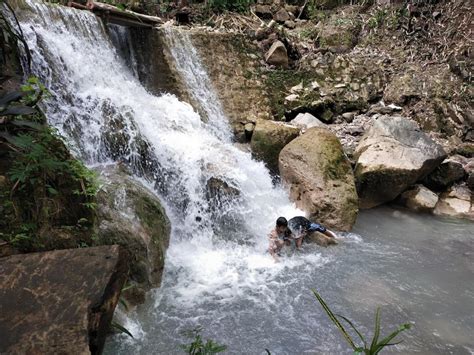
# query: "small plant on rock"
{"type": "Point", "coordinates": [198, 346]}
{"type": "Point", "coordinates": [376, 344]}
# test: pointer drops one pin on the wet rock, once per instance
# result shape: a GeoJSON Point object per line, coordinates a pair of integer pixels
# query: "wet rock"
{"type": "Point", "coordinates": [269, 138]}
{"type": "Point", "coordinates": [419, 199]}
{"type": "Point", "coordinates": [234, 73]}
{"type": "Point", "coordinates": [60, 301]}
{"type": "Point", "coordinates": [456, 203]}
{"type": "Point", "coordinates": [277, 55]}
{"type": "Point", "coordinates": [281, 16]}
{"type": "Point", "coordinates": [320, 239]}
{"type": "Point", "coordinates": [391, 156]}
{"type": "Point", "coordinates": [445, 175]}
{"type": "Point", "coordinates": [306, 120]}
{"type": "Point", "coordinates": [320, 179]}
{"type": "Point", "coordinates": [220, 191]}
{"type": "Point", "coordinates": [131, 215]}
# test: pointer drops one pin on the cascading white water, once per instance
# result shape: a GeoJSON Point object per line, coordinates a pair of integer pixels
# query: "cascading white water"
{"type": "Point", "coordinates": [217, 272]}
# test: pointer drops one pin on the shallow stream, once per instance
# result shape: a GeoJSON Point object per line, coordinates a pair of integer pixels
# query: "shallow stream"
{"type": "Point", "coordinates": [417, 268]}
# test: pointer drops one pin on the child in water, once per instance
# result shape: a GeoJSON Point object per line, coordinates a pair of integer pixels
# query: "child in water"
{"type": "Point", "coordinates": [278, 237]}
{"type": "Point", "coordinates": [297, 228]}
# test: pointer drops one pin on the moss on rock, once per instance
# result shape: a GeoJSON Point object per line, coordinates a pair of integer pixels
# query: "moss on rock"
{"type": "Point", "coordinates": [269, 138]}
{"type": "Point", "coordinates": [320, 178]}
{"type": "Point", "coordinates": [132, 216]}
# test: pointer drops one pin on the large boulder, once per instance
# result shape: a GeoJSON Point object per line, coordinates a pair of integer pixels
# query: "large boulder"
{"type": "Point", "coordinates": [419, 199]}
{"type": "Point", "coordinates": [131, 215]}
{"type": "Point", "coordinates": [277, 55]}
{"type": "Point", "coordinates": [320, 178]}
{"type": "Point", "coordinates": [456, 202]}
{"type": "Point", "coordinates": [391, 156]}
{"type": "Point", "coordinates": [269, 138]}
{"type": "Point", "coordinates": [60, 302]}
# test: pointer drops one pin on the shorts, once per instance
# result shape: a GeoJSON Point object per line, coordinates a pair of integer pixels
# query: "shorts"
{"type": "Point", "coordinates": [316, 227]}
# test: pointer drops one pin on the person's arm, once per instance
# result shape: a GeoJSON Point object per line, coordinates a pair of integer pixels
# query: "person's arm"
{"type": "Point", "coordinates": [330, 234]}
{"type": "Point", "coordinates": [272, 236]}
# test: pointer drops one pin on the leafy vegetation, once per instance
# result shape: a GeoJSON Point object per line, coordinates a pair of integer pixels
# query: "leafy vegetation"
{"type": "Point", "coordinates": [199, 347]}
{"type": "Point", "coordinates": [229, 5]}
{"type": "Point", "coordinates": [376, 345]}
{"type": "Point", "coordinates": [43, 177]}
{"type": "Point", "coordinates": [120, 328]}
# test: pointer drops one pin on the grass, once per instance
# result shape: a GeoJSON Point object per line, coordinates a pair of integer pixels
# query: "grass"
{"type": "Point", "coordinates": [363, 347]}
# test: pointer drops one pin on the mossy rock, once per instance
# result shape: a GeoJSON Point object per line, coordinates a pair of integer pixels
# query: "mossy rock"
{"type": "Point", "coordinates": [269, 138]}
{"type": "Point", "coordinates": [131, 215]}
{"type": "Point", "coordinates": [320, 178]}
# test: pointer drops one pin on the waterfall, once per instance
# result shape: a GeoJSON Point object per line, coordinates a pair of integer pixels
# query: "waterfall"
{"type": "Point", "coordinates": [222, 204]}
{"type": "Point", "coordinates": [103, 111]}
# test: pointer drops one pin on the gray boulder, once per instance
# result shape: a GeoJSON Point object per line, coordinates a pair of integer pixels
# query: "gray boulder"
{"type": "Point", "coordinates": [419, 199]}
{"type": "Point", "coordinates": [277, 55]}
{"type": "Point", "coordinates": [306, 120]}
{"type": "Point", "coordinates": [391, 156]}
{"type": "Point", "coordinates": [320, 179]}
{"type": "Point", "coordinates": [456, 202]}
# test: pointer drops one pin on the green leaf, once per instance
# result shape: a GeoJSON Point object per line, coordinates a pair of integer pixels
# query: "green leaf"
{"type": "Point", "coordinates": [123, 303]}
{"type": "Point", "coordinates": [18, 110]}
{"type": "Point", "coordinates": [375, 339]}
{"type": "Point", "coordinates": [335, 321]}
{"type": "Point", "coordinates": [52, 191]}
{"type": "Point", "coordinates": [33, 125]}
{"type": "Point", "coordinates": [33, 80]}
{"type": "Point", "coordinates": [10, 97]}
{"type": "Point", "coordinates": [121, 328]}
{"type": "Point", "coordinates": [354, 328]}
{"type": "Point", "coordinates": [386, 341]}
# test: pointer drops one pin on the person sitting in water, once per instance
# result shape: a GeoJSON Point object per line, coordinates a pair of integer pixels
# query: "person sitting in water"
{"type": "Point", "coordinates": [300, 227]}
{"type": "Point", "coordinates": [278, 237]}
